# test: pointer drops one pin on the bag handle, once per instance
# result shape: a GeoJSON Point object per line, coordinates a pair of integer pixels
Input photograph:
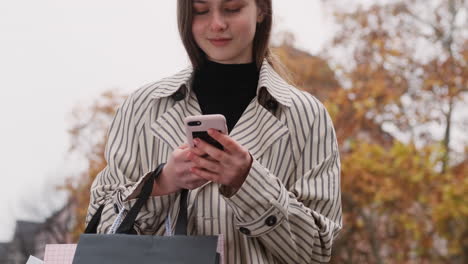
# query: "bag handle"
{"type": "Point", "coordinates": [91, 228]}
{"type": "Point", "coordinates": [181, 224]}
{"type": "Point", "coordinates": [126, 227]}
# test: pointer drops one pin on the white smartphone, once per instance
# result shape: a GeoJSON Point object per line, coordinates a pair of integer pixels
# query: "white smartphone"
{"type": "Point", "coordinates": [197, 127]}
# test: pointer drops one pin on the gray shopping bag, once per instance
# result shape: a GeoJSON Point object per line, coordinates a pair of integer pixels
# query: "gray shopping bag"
{"type": "Point", "coordinates": [120, 249]}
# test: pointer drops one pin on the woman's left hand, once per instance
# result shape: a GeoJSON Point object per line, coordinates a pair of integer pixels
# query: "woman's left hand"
{"type": "Point", "coordinates": [228, 167]}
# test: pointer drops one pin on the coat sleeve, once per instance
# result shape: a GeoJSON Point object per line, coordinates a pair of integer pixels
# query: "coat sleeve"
{"type": "Point", "coordinates": [118, 184]}
{"type": "Point", "coordinates": [299, 224]}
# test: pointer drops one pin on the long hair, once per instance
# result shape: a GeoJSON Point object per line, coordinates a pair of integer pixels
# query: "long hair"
{"type": "Point", "coordinates": [261, 48]}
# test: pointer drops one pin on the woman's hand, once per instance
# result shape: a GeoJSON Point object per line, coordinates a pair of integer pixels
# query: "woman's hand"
{"type": "Point", "coordinates": [176, 174]}
{"type": "Point", "coordinates": [229, 167]}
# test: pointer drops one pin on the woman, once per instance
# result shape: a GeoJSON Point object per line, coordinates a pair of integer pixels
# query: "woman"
{"type": "Point", "coordinates": [274, 192]}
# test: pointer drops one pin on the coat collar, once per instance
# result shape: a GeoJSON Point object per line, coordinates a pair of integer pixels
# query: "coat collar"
{"type": "Point", "coordinates": [269, 79]}
{"type": "Point", "coordinates": [257, 129]}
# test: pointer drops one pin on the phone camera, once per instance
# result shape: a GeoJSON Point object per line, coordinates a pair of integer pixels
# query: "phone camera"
{"type": "Point", "coordinates": [194, 123]}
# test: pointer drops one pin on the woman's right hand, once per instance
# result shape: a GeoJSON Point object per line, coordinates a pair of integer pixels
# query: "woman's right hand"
{"type": "Point", "coordinates": [176, 174]}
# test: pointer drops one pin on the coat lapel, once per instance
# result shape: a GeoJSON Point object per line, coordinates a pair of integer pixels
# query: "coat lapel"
{"type": "Point", "coordinates": [258, 129]}
{"type": "Point", "coordinates": [169, 127]}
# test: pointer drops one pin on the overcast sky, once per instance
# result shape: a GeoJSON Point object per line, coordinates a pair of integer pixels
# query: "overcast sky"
{"type": "Point", "coordinates": [55, 55]}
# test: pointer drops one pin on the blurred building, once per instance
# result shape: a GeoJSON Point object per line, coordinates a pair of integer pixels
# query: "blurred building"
{"type": "Point", "coordinates": [30, 238]}
{"type": "Point", "coordinates": [3, 252]}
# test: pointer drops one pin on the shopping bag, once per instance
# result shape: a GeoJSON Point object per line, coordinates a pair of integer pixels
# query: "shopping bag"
{"type": "Point", "coordinates": [59, 253]}
{"type": "Point", "coordinates": [126, 247]}
{"type": "Point", "coordinates": [107, 249]}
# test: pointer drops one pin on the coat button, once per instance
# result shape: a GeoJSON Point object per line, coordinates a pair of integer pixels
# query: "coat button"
{"type": "Point", "coordinates": [244, 231]}
{"type": "Point", "coordinates": [271, 220]}
{"type": "Point", "coordinates": [179, 95]}
{"type": "Point", "coordinates": [271, 105]}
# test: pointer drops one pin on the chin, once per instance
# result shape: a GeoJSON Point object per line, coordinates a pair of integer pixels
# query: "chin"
{"type": "Point", "coordinates": [220, 58]}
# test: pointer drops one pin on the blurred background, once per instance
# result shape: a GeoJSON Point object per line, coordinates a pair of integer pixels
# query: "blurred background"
{"type": "Point", "coordinates": [393, 75]}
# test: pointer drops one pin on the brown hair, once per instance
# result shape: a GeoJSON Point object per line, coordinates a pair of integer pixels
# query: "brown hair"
{"type": "Point", "coordinates": [261, 49]}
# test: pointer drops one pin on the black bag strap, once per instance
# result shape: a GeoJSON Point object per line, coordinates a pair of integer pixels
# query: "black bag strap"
{"type": "Point", "coordinates": [126, 227]}
{"type": "Point", "coordinates": [94, 222]}
{"type": "Point", "coordinates": [181, 224]}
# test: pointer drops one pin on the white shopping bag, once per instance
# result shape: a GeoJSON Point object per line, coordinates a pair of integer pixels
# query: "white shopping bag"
{"type": "Point", "coordinates": [59, 253]}
{"type": "Point", "coordinates": [34, 260]}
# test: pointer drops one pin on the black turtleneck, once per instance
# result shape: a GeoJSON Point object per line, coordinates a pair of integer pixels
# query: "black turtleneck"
{"type": "Point", "coordinates": [225, 89]}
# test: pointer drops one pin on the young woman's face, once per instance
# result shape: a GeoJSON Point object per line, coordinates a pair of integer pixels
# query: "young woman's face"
{"type": "Point", "coordinates": [225, 29]}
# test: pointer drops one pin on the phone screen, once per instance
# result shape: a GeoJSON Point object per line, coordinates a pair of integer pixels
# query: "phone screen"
{"type": "Point", "coordinates": [203, 135]}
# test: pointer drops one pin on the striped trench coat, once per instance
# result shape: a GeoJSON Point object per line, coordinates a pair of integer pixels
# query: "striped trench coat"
{"type": "Point", "coordinates": [289, 208]}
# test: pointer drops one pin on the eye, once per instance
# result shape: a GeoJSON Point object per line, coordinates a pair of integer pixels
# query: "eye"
{"type": "Point", "coordinates": [200, 9]}
{"type": "Point", "coordinates": [200, 12]}
{"type": "Point", "coordinates": [233, 10]}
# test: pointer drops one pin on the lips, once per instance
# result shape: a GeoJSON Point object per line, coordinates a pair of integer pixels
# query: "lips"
{"type": "Point", "coordinates": [220, 41]}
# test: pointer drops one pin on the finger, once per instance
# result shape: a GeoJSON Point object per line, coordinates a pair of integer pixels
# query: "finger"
{"type": "Point", "coordinates": [228, 143]}
{"type": "Point", "coordinates": [183, 146]}
{"type": "Point", "coordinates": [211, 165]}
{"type": "Point", "coordinates": [201, 153]}
{"type": "Point", "coordinates": [198, 151]}
{"type": "Point", "coordinates": [212, 151]}
{"type": "Point", "coordinates": [207, 175]}
{"type": "Point", "coordinates": [182, 154]}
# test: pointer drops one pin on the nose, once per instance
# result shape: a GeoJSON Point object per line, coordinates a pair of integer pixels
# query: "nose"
{"type": "Point", "coordinates": [218, 22]}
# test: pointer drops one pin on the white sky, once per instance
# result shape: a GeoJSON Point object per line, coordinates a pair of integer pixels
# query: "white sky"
{"type": "Point", "coordinates": [55, 54]}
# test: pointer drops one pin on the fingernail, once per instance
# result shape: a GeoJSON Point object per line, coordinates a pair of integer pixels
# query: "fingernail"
{"type": "Point", "coordinates": [196, 141]}
{"type": "Point", "coordinates": [210, 131]}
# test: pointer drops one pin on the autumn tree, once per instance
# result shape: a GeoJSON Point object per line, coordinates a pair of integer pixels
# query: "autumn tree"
{"type": "Point", "coordinates": [88, 133]}
{"type": "Point", "coordinates": [404, 64]}
{"type": "Point", "coordinates": [402, 68]}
